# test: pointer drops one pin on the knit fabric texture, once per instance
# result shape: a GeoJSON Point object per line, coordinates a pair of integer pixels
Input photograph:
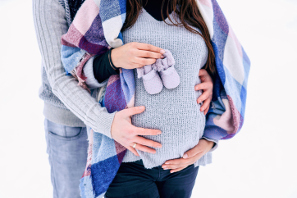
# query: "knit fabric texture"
{"type": "Point", "coordinates": [54, 109]}
{"type": "Point", "coordinates": [174, 111]}
{"type": "Point", "coordinates": [52, 20]}
{"type": "Point", "coordinates": [93, 32]}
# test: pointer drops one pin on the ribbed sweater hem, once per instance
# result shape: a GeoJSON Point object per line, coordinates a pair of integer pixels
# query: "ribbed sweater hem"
{"type": "Point", "coordinates": [61, 116]}
{"type": "Point", "coordinates": [203, 161]}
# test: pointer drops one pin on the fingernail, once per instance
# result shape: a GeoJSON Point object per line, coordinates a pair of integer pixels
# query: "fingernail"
{"type": "Point", "coordinates": [162, 51]}
{"type": "Point", "coordinates": [171, 171]}
{"type": "Point", "coordinates": [167, 163]}
{"type": "Point", "coordinates": [162, 56]}
{"type": "Point", "coordinates": [185, 156]}
{"type": "Point", "coordinates": [159, 146]}
{"type": "Point", "coordinates": [165, 168]}
{"type": "Point", "coordinates": [141, 108]}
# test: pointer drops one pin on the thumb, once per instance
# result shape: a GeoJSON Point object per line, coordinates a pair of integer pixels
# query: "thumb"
{"type": "Point", "coordinates": [135, 110]}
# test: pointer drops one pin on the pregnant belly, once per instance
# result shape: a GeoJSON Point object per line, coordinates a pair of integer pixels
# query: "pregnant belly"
{"type": "Point", "coordinates": [181, 131]}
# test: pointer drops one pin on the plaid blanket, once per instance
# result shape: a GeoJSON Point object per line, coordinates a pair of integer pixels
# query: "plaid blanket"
{"type": "Point", "coordinates": [96, 27]}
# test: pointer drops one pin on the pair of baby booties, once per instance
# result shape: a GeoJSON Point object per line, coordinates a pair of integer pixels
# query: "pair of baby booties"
{"type": "Point", "coordinates": [162, 72]}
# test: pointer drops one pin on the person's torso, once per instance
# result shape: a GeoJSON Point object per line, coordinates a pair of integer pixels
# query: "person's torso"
{"type": "Point", "coordinates": [175, 112]}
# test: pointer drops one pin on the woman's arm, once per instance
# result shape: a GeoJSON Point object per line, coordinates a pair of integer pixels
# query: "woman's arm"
{"type": "Point", "coordinates": [129, 56]}
{"type": "Point", "coordinates": [50, 25]}
{"type": "Point", "coordinates": [97, 70]}
{"type": "Point", "coordinates": [205, 144]}
{"type": "Point", "coordinates": [190, 157]}
{"type": "Point", "coordinates": [103, 67]}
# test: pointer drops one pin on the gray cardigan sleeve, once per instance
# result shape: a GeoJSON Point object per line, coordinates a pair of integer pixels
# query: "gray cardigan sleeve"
{"type": "Point", "coordinates": [50, 24]}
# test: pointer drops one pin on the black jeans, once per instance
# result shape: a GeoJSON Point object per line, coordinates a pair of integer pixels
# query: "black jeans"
{"type": "Point", "coordinates": [133, 181]}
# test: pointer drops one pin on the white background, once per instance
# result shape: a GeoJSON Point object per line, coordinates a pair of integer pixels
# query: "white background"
{"type": "Point", "coordinates": [260, 161]}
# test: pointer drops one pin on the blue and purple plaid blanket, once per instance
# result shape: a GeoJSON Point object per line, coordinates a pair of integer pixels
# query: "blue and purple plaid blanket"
{"type": "Point", "coordinates": [96, 27]}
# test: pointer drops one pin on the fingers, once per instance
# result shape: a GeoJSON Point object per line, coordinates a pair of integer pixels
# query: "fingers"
{"type": "Point", "coordinates": [148, 47]}
{"type": "Point", "coordinates": [205, 105]}
{"type": "Point", "coordinates": [148, 54]}
{"type": "Point", "coordinates": [204, 76]}
{"type": "Point", "coordinates": [203, 97]}
{"type": "Point", "coordinates": [176, 164]}
{"type": "Point", "coordinates": [133, 110]}
{"type": "Point", "coordinates": [139, 54]}
{"type": "Point", "coordinates": [176, 161]}
{"type": "Point", "coordinates": [140, 143]}
{"type": "Point", "coordinates": [133, 151]}
{"type": "Point", "coordinates": [206, 110]}
{"type": "Point", "coordinates": [143, 148]}
{"type": "Point", "coordinates": [178, 169]}
{"type": "Point", "coordinates": [147, 142]}
{"type": "Point", "coordinates": [203, 86]}
{"type": "Point", "coordinates": [144, 61]}
{"type": "Point", "coordinates": [189, 157]}
{"type": "Point", "coordinates": [206, 96]}
{"type": "Point", "coordinates": [143, 131]}
{"type": "Point", "coordinates": [193, 152]}
{"type": "Point", "coordinates": [181, 163]}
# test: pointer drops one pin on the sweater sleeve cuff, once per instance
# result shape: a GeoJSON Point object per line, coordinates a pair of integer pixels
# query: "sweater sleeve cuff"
{"type": "Point", "coordinates": [108, 119]}
{"type": "Point", "coordinates": [215, 146]}
{"type": "Point", "coordinates": [91, 81]}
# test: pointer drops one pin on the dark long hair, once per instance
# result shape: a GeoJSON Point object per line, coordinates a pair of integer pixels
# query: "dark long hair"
{"type": "Point", "coordinates": [188, 14]}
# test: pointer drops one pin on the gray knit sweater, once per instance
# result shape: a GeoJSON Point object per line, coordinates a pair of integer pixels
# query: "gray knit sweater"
{"type": "Point", "coordinates": [64, 102]}
{"type": "Point", "coordinates": [175, 112]}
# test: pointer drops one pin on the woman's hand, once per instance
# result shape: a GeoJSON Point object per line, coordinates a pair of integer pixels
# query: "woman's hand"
{"type": "Point", "coordinates": [127, 135]}
{"type": "Point", "coordinates": [135, 55]}
{"type": "Point", "coordinates": [207, 86]}
{"type": "Point", "coordinates": [190, 157]}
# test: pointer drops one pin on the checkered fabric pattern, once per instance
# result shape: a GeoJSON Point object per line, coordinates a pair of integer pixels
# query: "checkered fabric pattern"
{"type": "Point", "coordinates": [96, 27]}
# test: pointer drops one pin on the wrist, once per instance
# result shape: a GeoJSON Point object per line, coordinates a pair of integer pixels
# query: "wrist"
{"type": "Point", "coordinates": [214, 145]}
{"type": "Point", "coordinates": [113, 57]}
{"type": "Point", "coordinates": [210, 143]}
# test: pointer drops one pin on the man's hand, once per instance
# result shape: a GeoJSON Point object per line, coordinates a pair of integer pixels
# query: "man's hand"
{"type": "Point", "coordinates": [129, 136]}
{"type": "Point", "coordinates": [207, 86]}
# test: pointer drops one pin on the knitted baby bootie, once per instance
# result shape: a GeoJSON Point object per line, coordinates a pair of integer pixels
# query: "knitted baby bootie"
{"type": "Point", "coordinates": [151, 80]}
{"type": "Point", "coordinates": [168, 74]}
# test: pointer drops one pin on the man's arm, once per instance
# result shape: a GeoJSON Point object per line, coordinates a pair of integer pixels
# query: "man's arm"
{"type": "Point", "coordinates": [50, 24]}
